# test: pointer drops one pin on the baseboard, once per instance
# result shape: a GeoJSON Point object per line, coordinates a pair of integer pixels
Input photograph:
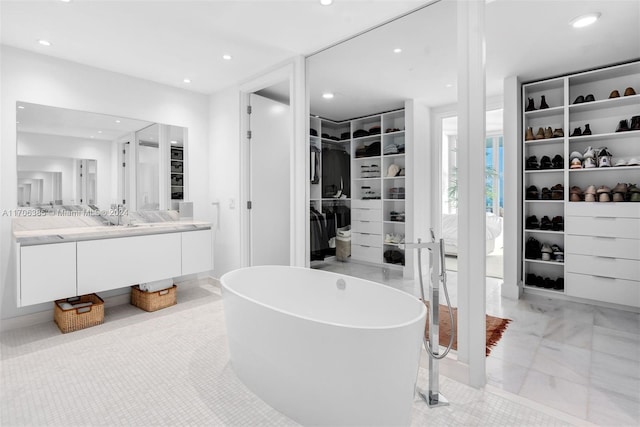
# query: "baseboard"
{"type": "Point", "coordinates": [111, 301]}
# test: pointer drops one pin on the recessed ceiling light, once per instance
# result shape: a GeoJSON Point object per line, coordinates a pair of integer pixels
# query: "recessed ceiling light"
{"type": "Point", "coordinates": [584, 20]}
{"type": "Point", "coordinates": [17, 123]}
{"type": "Point", "coordinates": [174, 142]}
{"type": "Point", "coordinates": [117, 121]}
{"type": "Point", "coordinates": [99, 131]}
{"type": "Point", "coordinates": [21, 107]}
{"type": "Point", "coordinates": [92, 136]}
{"type": "Point", "coordinates": [327, 95]}
{"type": "Point", "coordinates": [448, 85]}
{"type": "Point", "coordinates": [226, 57]}
{"type": "Point", "coordinates": [186, 80]}
{"type": "Point", "coordinates": [397, 50]}
{"type": "Point", "coordinates": [65, 1]}
{"type": "Point", "coordinates": [326, 2]}
{"type": "Point", "coordinates": [44, 42]}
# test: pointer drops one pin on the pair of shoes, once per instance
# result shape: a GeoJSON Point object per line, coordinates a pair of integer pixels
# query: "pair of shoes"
{"type": "Point", "coordinates": [558, 253]}
{"type": "Point", "coordinates": [545, 194]}
{"type": "Point", "coordinates": [620, 192]}
{"type": "Point", "coordinates": [532, 193]}
{"type": "Point", "coordinates": [544, 133]}
{"type": "Point", "coordinates": [557, 223]}
{"type": "Point", "coordinates": [575, 194]}
{"type": "Point", "coordinates": [557, 162]}
{"type": "Point", "coordinates": [532, 249]}
{"type": "Point", "coordinates": [589, 159]}
{"type": "Point", "coordinates": [393, 238]}
{"type": "Point", "coordinates": [604, 193]}
{"type": "Point", "coordinates": [604, 157]}
{"type": "Point", "coordinates": [558, 133]}
{"type": "Point", "coordinates": [545, 163]}
{"type": "Point", "coordinates": [631, 162]}
{"type": "Point", "coordinates": [590, 194]}
{"type": "Point", "coordinates": [532, 163]}
{"type": "Point", "coordinates": [532, 223]}
{"type": "Point", "coordinates": [634, 193]}
{"type": "Point", "coordinates": [557, 192]}
{"type": "Point", "coordinates": [580, 99]}
{"type": "Point", "coordinates": [627, 92]}
{"type": "Point", "coordinates": [546, 252]}
{"type": "Point", "coordinates": [528, 136]}
{"type": "Point", "coordinates": [624, 126]}
{"type": "Point", "coordinates": [575, 161]}
{"type": "Point", "coordinates": [579, 132]}
{"type": "Point", "coordinates": [531, 107]}
{"type": "Point", "coordinates": [545, 223]}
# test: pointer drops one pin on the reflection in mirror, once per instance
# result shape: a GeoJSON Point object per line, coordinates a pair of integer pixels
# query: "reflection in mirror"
{"type": "Point", "coordinates": [69, 158]}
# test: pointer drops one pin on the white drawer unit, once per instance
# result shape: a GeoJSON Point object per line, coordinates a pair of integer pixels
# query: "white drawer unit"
{"type": "Point", "coordinates": [371, 227]}
{"type": "Point", "coordinates": [607, 289]}
{"type": "Point", "coordinates": [366, 253]}
{"type": "Point", "coordinates": [47, 273]}
{"type": "Point", "coordinates": [616, 210]}
{"type": "Point", "coordinates": [608, 226]}
{"type": "Point", "coordinates": [366, 214]}
{"type": "Point", "coordinates": [197, 251]}
{"type": "Point", "coordinates": [603, 266]}
{"type": "Point", "coordinates": [366, 204]}
{"type": "Point", "coordinates": [614, 247]}
{"type": "Point", "coordinates": [367, 239]}
{"type": "Point", "coordinates": [115, 263]}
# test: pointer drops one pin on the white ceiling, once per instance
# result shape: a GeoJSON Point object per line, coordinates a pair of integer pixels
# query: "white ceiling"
{"type": "Point", "coordinates": [166, 41]}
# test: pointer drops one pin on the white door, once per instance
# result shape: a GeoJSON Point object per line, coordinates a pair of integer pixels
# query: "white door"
{"type": "Point", "coordinates": [269, 193]}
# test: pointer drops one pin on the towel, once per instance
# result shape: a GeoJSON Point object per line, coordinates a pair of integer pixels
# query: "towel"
{"type": "Point", "coordinates": [156, 286]}
{"type": "Point", "coordinates": [68, 306]}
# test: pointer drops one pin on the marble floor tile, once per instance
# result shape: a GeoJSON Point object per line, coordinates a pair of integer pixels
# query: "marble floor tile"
{"type": "Point", "coordinates": [607, 408]}
{"type": "Point", "coordinates": [624, 321]}
{"type": "Point", "coordinates": [568, 331]}
{"type": "Point", "coordinates": [563, 361]}
{"type": "Point", "coordinates": [556, 392]}
{"type": "Point", "coordinates": [517, 347]}
{"type": "Point", "coordinates": [505, 375]}
{"type": "Point", "coordinates": [616, 374]}
{"type": "Point", "coordinates": [618, 343]}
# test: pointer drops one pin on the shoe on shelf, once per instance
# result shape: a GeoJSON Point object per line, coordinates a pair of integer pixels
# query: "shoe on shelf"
{"type": "Point", "coordinates": [545, 223]}
{"type": "Point", "coordinates": [590, 194]}
{"type": "Point", "coordinates": [557, 192]}
{"type": "Point", "coordinates": [530, 106]}
{"type": "Point", "coordinates": [532, 163]}
{"type": "Point", "coordinates": [589, 98]}
{"type": "Point", "coordinates": [635, 123]}
{"type": "Point", "coordinates": [528, 136]}
{"type": "Point", "coordinates": [620, 163]}
{"type": "Point", "coordinates": [532, 193]}
{"type": "Point", "coordinates": [604, 194]}
{"type": "Point", "coordinates": [575, 163]}
{"type": "Point", "coordinates": [579, 100]}
{"type": "Point", "coordinates": [619, 197]}
{"type": "Point", "coordinates": [545, 163]}
{"type": "Point", "coordinates": [623, 126]}
{"type": "Point", "coordinates": [558, 133]}
{"type": "Point", "coordinates": [629, 91]}
{"type": "Point", "coordinates": [589, 152]}
{"type": "Point", "coordinates": [620, 192]}
{"type": "Point", "coordinates": [614, 94]}
{"type": "Point", "coordinates": [633, 162]}
{"type": "Point", "coordinates": [587, 130]}
{"type": "Point", "coordinates": [546, 194]}
{"type": "Point", "coordinates": [532, 223]}
{"type": "Point", "coordinates": [634, 193]}
{"type": "Point", "coordinates": [532, 249]}
{"type": "Point", "coordinates": [558, 162]}
{"type": "Point", "coordinates": [543, 103]}
{"type": "Point", "coordinates": [604, 157]}
{"type": "Point", "coordinates": [577, 132]}
{"type": "Point", "coordinates": [548, 283]}
{"type": "Point", "coordinates": [546, 252]}
{"type": "Point", "coordinates": [591, 189]}
{"type": "Point", "coordinates": [558, 253]}
{"type": "Point", "coordinates": [540, 134]}
{"type": "Point", "coordinates": [557, 223]}
{"type": "Point", "coordinates": [575, 194]}
{"type": "Point", "coordinates": [548, 133]}
{"type": "Point", "coordinates": [589, 163]}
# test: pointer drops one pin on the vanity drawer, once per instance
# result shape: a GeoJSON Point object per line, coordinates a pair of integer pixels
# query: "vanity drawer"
{"type": "Point", "coordinates": [604, 246]}
{"type": "Point", "coordinates": [608, 226]}
{"type": "Point", "coordinates": [366, 214]}
{"type": "Point", "coordinates": [607, 289]}
{"type": "Point", "coordinates": [603, 266]}
{"type": "Point", "coordinates": [47, 273]}
{"type": "Point", "coordinates": [371, 227]}
{"type": "Point", "coordinates": [366, 253]}
{"type": "Point", "coordinates": [367, 204]}
{"type": "Point", "coordinates": [367, 239]}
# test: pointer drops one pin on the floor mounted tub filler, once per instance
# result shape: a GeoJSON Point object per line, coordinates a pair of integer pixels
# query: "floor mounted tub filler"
{"type": "Point", "coordinates": [324, 348]}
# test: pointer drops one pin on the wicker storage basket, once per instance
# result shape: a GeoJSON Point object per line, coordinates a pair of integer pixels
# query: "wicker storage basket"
{"type": "Point", "coordinates": [79, 318]}
{"type": "Point", "coordinates": [152, 301]}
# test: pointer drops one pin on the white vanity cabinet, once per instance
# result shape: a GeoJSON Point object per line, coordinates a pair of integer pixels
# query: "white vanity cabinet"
{"type": "Point", "coordinates": [47, 272]}
{"type": "Point", "coordinates": [197, 251]}
{"type": "Point", "coordinates": [115, 263]}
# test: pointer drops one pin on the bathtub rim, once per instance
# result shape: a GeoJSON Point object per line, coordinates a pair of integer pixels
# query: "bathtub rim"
{"type": "Point", "coordinates": [423, 311]}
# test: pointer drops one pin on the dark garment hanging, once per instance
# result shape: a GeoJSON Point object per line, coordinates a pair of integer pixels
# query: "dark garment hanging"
{"type": "Point", "coordinates": [315, 164]}
{"type": "Point", "coordinates": [319, 240]}
{"type": "Point", "coordinates": [336, 172]}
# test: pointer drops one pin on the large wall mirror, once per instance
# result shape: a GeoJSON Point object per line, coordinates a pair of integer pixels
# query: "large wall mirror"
{"type": "Point", "coordinates": [68, 158]}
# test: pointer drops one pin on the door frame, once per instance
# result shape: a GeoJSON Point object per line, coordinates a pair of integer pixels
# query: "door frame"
{"type": "Point", "coordinates": [292, 71]}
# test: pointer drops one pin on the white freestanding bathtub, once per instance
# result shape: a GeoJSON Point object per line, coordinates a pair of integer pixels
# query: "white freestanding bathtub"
{"type": "Point", "coordinates": [324, 348]}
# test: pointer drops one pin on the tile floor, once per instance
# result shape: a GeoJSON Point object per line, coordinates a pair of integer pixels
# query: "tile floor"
{"type": "Point", "coordinates": [580, 359]}
{"type": "Point", "coordinates": [171, 367]}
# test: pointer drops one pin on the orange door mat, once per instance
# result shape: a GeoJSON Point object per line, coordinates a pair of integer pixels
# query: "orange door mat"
{"type": "Point", "coordinates": [495, 328]}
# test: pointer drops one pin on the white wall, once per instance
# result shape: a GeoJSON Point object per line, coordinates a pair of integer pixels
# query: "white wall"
{"type": "Point", "coordinates": [39, 79]}
{"type": "Point", "coordinates": [65, 147]}
{"type": "Point", "coordinates": [224, 177]}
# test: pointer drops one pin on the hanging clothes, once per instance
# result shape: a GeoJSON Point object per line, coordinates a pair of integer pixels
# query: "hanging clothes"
{"type": "Point", "coordinates": [336, 171]}
{"type": "Point", "coordinates": [315, 164]}
{"type": "Point", "coordinates": [319, 240]}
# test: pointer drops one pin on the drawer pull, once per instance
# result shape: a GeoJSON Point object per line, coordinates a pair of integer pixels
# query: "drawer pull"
{"type": "Point", "coordinates": [604, 277]}
{"type": "Point", "coordinates": [365, 246]}
{"type": "Point", "coordinates": [605, 217]}
{"type": "Point", "coordinates": [604, 237]}
{"type": "Point", "coordinates": [362, 220]}
{"type": "Point", "coordinates": [605, 257]}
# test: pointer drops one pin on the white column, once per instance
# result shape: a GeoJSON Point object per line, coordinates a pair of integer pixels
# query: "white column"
{"type": "Point", "coordinates": [299, 254]}
{"type": "Point", "coordinates": [511, 287]}
{"type": "Point", "coordinates": [164, 167]}
{"type": "Point", "coordinates": [471, 183]}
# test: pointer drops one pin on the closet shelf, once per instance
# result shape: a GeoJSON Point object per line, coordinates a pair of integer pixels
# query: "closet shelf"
{"type": "Point", "coordinates": [612, 168]}
{"type": "Point", "coordinates": [622, 101]}
{"type": "Point", "coordinates": [607, 136]}
{"type": "Point", "coordinates": [552, 111]}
